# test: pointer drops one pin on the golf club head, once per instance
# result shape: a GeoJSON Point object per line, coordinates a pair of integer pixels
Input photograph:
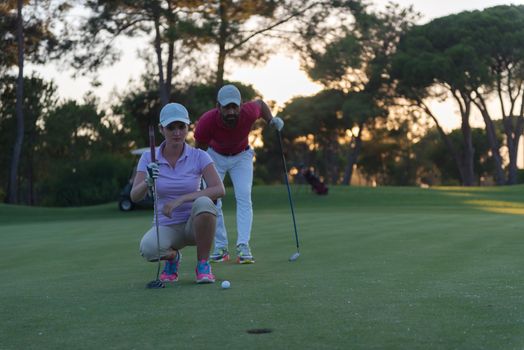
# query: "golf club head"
{"type": "Point", "coordinates": [294, 257]}
{"type": "Point", "coordinates": [156, 284]}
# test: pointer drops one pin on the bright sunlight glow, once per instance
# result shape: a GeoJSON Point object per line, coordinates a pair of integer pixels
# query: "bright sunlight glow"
{"type": "Point", "coordinates": [279, 80]}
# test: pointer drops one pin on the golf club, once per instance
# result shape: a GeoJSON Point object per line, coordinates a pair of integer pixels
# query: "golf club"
{"type": "Point", "coordinates": [297, 254]}
{"type": "Point", "coordinates": [156, 284]}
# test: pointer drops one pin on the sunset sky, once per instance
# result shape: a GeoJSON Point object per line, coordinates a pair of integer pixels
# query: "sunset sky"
{"type": "Point", "coordinates": [278, 80]}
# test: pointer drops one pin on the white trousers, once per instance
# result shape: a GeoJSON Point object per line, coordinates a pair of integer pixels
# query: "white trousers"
{"type": "Point", "coordinates": [240, 169]}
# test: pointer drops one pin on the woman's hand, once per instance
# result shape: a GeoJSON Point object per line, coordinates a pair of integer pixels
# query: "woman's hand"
{"type": "Point", "coordinates": [168, 208]}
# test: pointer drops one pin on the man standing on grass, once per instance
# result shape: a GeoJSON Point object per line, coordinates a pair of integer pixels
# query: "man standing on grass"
{"type": "Point", "coordinates": [224, 132]}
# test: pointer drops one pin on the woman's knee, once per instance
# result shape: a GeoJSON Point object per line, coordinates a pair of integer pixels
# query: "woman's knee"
{"type": "Point", "coordinates": [149, 249]}
{"type": "Point", "coordinates": [204, 205]}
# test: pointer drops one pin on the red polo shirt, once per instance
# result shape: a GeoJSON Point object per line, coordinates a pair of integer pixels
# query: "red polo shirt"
{"type": "Point", "coordinates": [211, 130]}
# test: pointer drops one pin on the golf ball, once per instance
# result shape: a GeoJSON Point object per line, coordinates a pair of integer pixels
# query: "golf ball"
{"type": "Point", "coordinates": [226, 284]}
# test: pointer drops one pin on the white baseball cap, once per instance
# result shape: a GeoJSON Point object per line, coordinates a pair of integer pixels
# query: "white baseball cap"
{"type": "Point", "coordinates": [228, 94]}
{"type": "Point", "coordinates": [174, 112]}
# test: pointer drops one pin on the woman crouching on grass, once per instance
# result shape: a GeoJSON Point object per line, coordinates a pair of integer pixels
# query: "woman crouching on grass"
{"type": "Point", "coordinates": [186, 214]}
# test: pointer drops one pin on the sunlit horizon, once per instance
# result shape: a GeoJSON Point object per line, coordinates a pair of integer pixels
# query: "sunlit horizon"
{"type": "Point", "coordinates": [279, 80]}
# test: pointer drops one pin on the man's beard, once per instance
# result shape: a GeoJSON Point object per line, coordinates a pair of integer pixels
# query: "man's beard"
{"type": "Point", "coordinates": [230, 120]}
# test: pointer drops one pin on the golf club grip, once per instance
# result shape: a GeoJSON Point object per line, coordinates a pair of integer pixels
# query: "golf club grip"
{"type": "Point", "coordinates": [152, 142]}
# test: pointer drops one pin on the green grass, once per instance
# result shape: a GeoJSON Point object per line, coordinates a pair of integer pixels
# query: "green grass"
{"type": "Point", "coordinates": [380, 268]}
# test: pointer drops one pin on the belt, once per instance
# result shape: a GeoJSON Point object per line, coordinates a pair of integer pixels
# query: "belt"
{"type": "Point", "coordinates": [232, 153]}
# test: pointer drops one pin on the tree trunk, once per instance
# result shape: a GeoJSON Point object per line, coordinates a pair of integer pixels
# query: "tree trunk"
{"type": "Point", "coordinates": [17, 149]}
{"type": "Point", "coordinates": [492, 140]}
{"type": "Point", "coordinates": [222, 39]}
{"type": "Point", "coordinates": [169, 70]}
{"type": "Point", "coordinates": [353, 156]}
{"type": "Point", "coordinates": [219, 82]}
{"type": "Point", "coordinates": [512, 124]}
{"type": "Point", "coordinates": [513, 134]}
{"type": "Point", "coordinates": [447, 141]}
{"type": "Point", "coordinates": [468, 152]}
{"type": "Point", "coordinates": [468, 172]}
{"type": "Point", "coordinates": [30, 179]}
{"type": "Point", "coordinates": [162, 91]}
{"type": "Point", "coordinates": [170, 58]}
{"type": "Point", "coordinates": [329, 162]}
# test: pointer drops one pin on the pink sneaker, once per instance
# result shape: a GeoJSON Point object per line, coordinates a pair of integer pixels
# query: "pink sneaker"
{"type": "Point", "coordinates": [170, 273]}
{"type": "Point", "coordinates": [203, 272]}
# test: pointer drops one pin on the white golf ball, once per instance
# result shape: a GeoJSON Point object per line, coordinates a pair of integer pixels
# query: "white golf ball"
{"type": "Point", "coordinates": [225, 284]}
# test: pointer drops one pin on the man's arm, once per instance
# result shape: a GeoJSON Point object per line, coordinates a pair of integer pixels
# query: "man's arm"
{"type": "Point", "coordinates": [201, 127]}
{"type": "Point", "coordinates": [201, 145]}
{"type": "Point", "coordinates": [275, 122]}
{"type": "Point", "coordinates": [265, 111]}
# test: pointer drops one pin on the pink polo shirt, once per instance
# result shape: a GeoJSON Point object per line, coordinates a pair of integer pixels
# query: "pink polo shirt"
{"type": "Point", "coordinates": [211, 130]}
{"type": "Point", "coordinates": [173, 182]}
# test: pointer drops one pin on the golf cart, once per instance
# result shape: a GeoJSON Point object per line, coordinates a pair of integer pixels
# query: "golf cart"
{"type": "Point", "coordinates": [125, 203]}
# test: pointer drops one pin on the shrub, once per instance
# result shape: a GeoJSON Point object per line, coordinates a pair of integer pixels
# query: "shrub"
{"type": "Point", "coordinates": [96, 181]}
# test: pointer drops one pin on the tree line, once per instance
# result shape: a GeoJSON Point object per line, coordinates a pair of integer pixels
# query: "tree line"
{"type": "Point", "coordinates": [379, 70]}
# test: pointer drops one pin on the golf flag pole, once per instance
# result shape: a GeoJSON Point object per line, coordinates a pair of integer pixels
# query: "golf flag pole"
{"type": "Point", "coordinates": [297, 254]}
